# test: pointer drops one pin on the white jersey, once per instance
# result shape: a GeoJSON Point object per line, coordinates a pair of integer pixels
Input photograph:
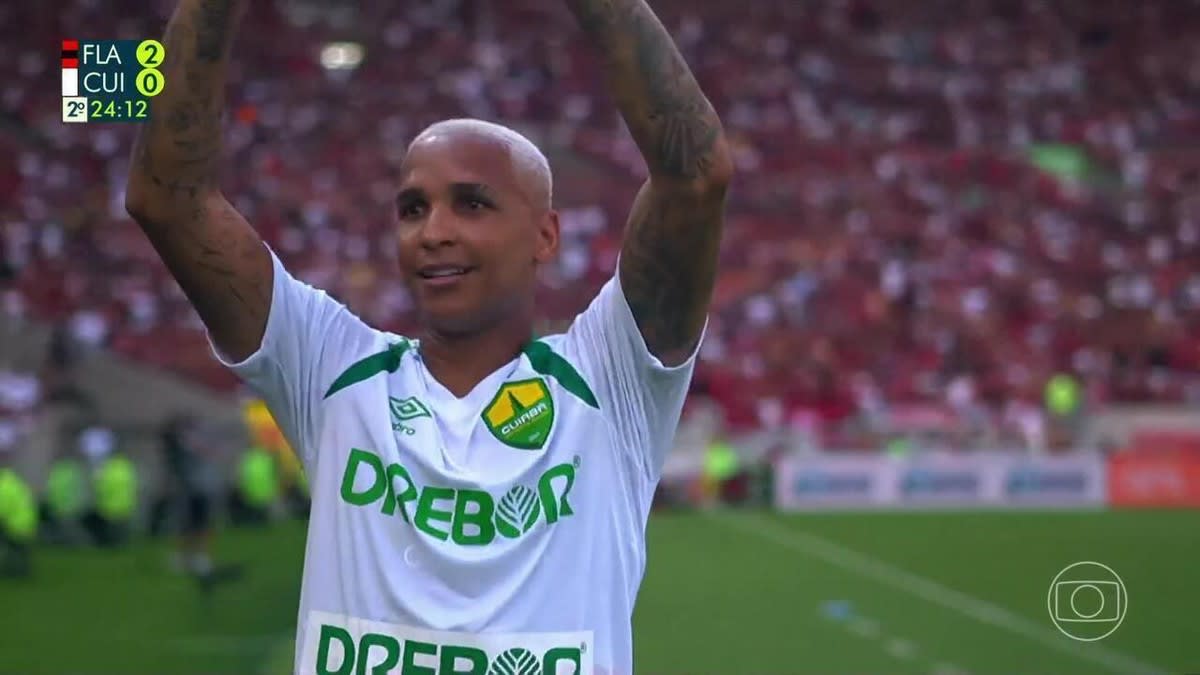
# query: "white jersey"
{"type": "Point", "coordinates": [503, 532]}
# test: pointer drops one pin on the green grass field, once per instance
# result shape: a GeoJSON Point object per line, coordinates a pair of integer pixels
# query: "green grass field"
{"type": "Point", "coordinates": [730, 593]}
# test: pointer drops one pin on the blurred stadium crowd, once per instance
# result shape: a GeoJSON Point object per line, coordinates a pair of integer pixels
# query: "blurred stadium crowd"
{"type": "Point", "coordinates": [940, 206]}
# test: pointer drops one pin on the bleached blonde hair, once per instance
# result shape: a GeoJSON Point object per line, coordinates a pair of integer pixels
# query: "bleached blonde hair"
{"type": "Point", "coordinates": [527, 159]}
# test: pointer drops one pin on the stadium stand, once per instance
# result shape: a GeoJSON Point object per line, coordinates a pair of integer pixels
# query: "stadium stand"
{"type": "Point", "coordinates": [936, 211]}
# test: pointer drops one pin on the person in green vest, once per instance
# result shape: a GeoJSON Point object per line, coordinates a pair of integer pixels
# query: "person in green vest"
{"type": "Point", "coordinates": [1064, 401]}
{"type": "Point", "coordinates": [1063, 396]}
{"type": "Point", "coordinates": [114, 479]}
{"type": "Point", "coordinates": [18, 524]}
{"type": "Point", "coordinates": [192, 489]}
{"type": "Point", "coordinates": [899, 447]}
{"type": "Point", "coordinates": [65, 499]}
{"type": "Point", "coordinates": [257, 486]}
{"type": "Point", "coordinates": [721, 463]}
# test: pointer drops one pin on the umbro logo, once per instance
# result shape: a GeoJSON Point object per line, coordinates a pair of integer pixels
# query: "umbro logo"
{"type": "Point", "coordinates": [405, 410]}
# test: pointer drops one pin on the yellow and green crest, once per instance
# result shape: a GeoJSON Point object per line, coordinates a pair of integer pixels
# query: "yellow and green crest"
{"type": "Point", "coordinates": [521, 414]}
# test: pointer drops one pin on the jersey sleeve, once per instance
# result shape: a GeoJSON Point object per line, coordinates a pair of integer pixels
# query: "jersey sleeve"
{"type": "Point", "coordinates": [640, 397]}
{"type": "Point", "coordinates": [309, 339]}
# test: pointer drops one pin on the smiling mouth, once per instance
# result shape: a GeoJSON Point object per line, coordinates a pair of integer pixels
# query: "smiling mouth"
{"type": "Point", "coordinates": [442, 272]}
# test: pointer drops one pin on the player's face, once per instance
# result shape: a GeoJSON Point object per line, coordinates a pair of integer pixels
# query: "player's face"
{"type": "Point", "coordinates": [470, 238]}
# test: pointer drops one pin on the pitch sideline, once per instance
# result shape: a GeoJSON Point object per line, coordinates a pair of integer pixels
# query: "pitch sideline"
{"type": "Point", "coordinates": [931, 591]}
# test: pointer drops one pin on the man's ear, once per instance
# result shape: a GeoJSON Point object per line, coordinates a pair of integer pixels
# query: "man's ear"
{"type": "Point", "coordinates": [547, 238]}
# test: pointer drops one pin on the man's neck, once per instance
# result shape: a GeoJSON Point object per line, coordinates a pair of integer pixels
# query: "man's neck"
{"type": "Point", "coordinates": [460, 362]}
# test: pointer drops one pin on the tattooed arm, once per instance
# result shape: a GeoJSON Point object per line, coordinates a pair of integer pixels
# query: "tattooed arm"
{"type": "Point", "coordinates": [173, 193]}
{"type": "Point", "coordinates": [669, 255]}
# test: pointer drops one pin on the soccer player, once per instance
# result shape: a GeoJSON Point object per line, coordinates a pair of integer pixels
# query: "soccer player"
{"type": "Point", "coordinates": [479, 494]}
{"type": "Point", "coordinates": [193, 486]}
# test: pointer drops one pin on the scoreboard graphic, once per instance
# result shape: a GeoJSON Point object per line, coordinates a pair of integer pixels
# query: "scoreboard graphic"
{"type": "Point", "coordinates": [110, 80]}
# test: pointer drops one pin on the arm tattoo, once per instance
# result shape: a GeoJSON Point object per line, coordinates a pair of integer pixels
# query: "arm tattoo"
{"type": "Point", "coordinates": [667, 113]}
{"type": "Point", "coordinates": [685, 127]}
{"type": "Point", "coordinates": [669, 256]}
{"type": "Point", "coordinates": [213, 29]}
{"type": "Point", "coordinates": [668, 268]}
{"type": "Point", "coordinates": [177, 154]}
{"type": "Point", "coordinates": [216, 256]}
{"type": "Point", "coordinates": [219, 254]}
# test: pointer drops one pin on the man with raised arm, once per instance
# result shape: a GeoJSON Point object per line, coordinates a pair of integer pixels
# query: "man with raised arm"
{"type": "Point", "coordinates": [479, 494]}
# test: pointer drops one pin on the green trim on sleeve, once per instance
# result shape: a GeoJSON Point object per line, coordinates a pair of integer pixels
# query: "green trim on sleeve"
{"type": "Point", "coordinates": [387, 360]}
{"type": "Point", "coordinates": [551, 364]}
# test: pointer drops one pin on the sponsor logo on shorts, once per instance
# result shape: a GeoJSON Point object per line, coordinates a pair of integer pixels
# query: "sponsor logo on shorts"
{"type": "Point", "coordinates": [336, 644]}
